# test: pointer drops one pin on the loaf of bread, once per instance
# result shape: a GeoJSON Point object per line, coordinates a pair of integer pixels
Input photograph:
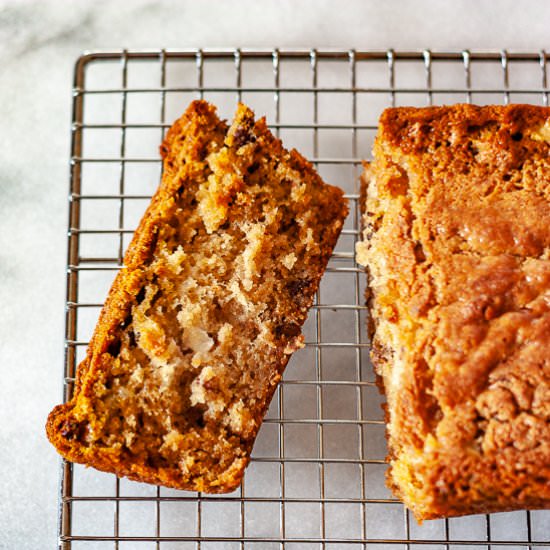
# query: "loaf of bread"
{"type": "Point", "coordinates": [203, 318]}
{"type": "Point", "coordinates": [456, 240]}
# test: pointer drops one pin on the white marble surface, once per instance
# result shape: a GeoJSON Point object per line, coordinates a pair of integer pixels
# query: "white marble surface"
{"type": "Point", "coordinates": [39, 41]}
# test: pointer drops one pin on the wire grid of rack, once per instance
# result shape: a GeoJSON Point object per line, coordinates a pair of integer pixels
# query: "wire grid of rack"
{"type": "Point", "coordinates": [316, 476]}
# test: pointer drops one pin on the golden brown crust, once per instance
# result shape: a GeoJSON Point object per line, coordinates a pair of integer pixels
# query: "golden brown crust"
{"type": "Point", "coordinates": [457, 248]}
{"type": "Point", "coordinates": [167, 393]}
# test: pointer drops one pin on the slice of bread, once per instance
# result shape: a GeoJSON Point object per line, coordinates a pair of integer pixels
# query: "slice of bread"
{"type": "Point", "coordinates": [201, 322]}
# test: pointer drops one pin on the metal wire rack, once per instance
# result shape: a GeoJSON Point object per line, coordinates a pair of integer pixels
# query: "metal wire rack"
{"type": "Point", "coordinates": [316, 477]}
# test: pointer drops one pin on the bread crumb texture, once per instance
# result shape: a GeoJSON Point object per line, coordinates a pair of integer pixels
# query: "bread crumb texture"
{"type": "Point", "coordinates": [200, 323]}
{"type": "Point", "coordinates": [456, 242]}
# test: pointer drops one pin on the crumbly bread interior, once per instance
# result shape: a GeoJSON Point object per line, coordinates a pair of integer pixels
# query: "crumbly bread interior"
{"type": "Point", "coordinates": [241, 236]}
{"type": "Point", "coordinates": [457, 248]}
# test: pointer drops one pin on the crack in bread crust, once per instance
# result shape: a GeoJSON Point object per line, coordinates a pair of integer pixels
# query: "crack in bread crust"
{"type": "Point", "coordinates": [457, 249]}
{"type": "Point", "coordinates": [201, 322]}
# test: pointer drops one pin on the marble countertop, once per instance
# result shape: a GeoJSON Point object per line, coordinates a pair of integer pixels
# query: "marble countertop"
{"type": "Point", "coordinates": [39, 42]}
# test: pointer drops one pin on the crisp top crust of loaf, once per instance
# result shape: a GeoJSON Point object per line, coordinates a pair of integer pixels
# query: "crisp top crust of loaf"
{"type": "Point", "coordinates": [199, 325]}
{"type": "Point", "coordinates": [457, 248]}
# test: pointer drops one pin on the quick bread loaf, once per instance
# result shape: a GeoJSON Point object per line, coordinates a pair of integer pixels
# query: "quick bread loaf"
{"type": "Point", "coordinates": [201, 321]}
{"type": "Point", "coordinates": [456, 241]}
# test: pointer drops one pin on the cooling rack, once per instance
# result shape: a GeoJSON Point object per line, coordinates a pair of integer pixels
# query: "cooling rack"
{"type": "Point", "coordinates": [316, 479]}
